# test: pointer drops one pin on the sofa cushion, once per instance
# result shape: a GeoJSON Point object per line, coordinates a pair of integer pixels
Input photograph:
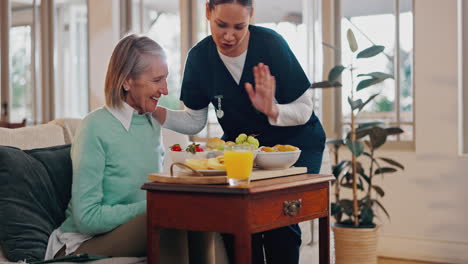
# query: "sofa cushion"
{"type": "Point", "coordinates": [70, 127]}
{"type": "Point", "coordinates": [35, 188]}
{"type": "Point", "coordinates": [40, 136]}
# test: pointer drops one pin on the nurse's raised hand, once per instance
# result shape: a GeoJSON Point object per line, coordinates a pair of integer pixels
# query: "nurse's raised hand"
{"type": "Point", "coordinates": [262, 97]}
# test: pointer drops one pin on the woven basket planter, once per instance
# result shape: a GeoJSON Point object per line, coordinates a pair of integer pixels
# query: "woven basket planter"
{"type": "Point", "coordinates": [355, 245]}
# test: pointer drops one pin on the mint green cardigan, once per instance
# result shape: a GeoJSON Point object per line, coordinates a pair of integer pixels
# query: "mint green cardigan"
{"type": "Point", "coordinates": [109, 166]}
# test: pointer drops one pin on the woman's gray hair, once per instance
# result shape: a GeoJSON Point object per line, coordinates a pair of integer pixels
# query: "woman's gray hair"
{"type": "Point", "coordinates": [129, 60]}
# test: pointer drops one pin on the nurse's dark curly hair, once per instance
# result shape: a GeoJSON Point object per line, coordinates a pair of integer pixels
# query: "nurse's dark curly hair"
{"type": "Point", "coordinates": [213, 3]}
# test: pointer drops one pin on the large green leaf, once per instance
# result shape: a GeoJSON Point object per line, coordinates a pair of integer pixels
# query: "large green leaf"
{"type": "Point", "coordinates": [368, 82]}
{"type": "Point", "coordinates": [385, 170]}
{"type": "Point", "coordinates": [366, 216]}
{"type": "Point", "coordinates": [356, 147]}
{"type": "Point", "coordinates": [360, 133]}
{"type": "Point", "coordinates": [378, 136]}
{"type": "Point", "coordinates": [394, 130]}
{"type": "Point", "coordinates": [349, 176]}
{"type": "Point", "coordinates": [335, 208]}
{"type": "Point", "coordinates": [378, 190]}
{"type": "Point", "coordinates": [370, 51]}
{"type": "Point", "coordinates": [393, 162]}
{"type": "Point", "coordinates": [382, 207]}
{"type": "Point", "coordinates": [347, 206]}
{"type": "Point", "coordinates": [353, 46]}
{"type": "Point", "coordinates": [367, 101]}
{"type": "Point", "coordinates": [336, 211]}
{"type": "Point", "coordinates": [335, 73]}
{"type": "Point", "coordinates": [359, 167]}
{"type": "Point", "coordinates": [354, 104]}
{"type": "Point", "coordinates": [365, 177]}
{"type": "Point", "coordinates": [377, 75]}
{"type": "Point", "coordinates": [338, 169]}
{"type": "Point", "coordinates": [369, 124]}
{"type": "Point", "coordinates": [325, 84]}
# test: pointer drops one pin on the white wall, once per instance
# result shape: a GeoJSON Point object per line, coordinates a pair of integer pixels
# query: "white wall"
{"type": "Point", "coordinates": [428, 202]}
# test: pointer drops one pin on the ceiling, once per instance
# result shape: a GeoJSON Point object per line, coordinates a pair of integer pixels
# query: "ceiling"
{"type": "Point", "coordinates": [273, 10]}
{"type": "Point", "coordinates": [277, 10]}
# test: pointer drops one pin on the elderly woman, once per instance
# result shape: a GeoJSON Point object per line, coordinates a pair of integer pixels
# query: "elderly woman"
{"type": "Point", "coordinates": [115, 149]}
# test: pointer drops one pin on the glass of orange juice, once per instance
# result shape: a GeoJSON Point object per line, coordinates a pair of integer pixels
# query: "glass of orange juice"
{"type": "Point", "coordinates": [238, 160]}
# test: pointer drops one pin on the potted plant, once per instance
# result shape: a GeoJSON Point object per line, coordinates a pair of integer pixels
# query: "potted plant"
{"type": "Point", "coordinates": [355, 228]}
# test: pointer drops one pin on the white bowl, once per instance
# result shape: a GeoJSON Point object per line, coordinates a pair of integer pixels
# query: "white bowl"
{"type": "Point", "coordinates": [181, 156]}
{"type": "Point", "coordinates": [276, 160]}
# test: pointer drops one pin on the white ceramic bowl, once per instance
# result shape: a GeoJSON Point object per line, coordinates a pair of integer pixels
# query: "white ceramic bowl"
{"type": "Point", "coordinates": [181, 156]}
{"type": "Point", "coordinates": [276, 160]}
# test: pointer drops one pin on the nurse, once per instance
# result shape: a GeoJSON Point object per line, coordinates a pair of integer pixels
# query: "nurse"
{"type": "Point", "coordinates": [256, 85]}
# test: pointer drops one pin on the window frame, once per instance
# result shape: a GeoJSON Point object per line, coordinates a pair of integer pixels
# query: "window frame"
{"type": "Point", "coordinates": [41, 68]}
{"type": "Point", "coordinates": [334, 108]}
{"type": "Point", "coordinates": [463, 78]}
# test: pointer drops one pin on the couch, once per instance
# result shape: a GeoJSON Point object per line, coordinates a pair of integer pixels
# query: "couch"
{"type": "Point", "coordinates": [62, 131]}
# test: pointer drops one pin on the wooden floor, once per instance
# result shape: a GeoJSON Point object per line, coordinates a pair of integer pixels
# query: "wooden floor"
{"type": "Point", "coordinates": [399, 261]}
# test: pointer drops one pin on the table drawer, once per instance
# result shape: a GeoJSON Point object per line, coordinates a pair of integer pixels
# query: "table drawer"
{"type": "Point", "coordinates": [286, 206]}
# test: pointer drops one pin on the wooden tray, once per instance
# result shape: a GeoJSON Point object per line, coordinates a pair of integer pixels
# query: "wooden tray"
{"type": "Point", "coordinates": [257, 174]}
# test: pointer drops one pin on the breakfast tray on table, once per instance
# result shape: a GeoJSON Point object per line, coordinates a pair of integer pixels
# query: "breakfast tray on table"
{"type": "Point", "coordinates": [188, 177]}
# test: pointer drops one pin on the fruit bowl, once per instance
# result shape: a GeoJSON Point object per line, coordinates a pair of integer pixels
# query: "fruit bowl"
{"type": "Point", "coordinates": [276, 160]}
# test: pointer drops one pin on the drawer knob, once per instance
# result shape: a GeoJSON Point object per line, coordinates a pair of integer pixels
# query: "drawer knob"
{"type": "Point", "coordinates": [293, 207]}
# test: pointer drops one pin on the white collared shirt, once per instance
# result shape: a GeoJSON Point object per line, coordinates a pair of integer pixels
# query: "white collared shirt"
{"type": "Point", "coordinates": [124, 114]}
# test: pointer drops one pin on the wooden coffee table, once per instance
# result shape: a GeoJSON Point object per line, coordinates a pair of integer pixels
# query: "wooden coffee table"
{"type": "Point", "coordinates": [241, 211]}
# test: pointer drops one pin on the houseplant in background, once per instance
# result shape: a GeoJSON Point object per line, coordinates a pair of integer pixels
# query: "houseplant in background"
{"type": "Point", "coordinates": [355, 228]}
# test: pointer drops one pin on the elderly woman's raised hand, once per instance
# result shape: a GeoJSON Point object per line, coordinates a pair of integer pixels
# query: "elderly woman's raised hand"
{"type": "Point", "coordinates": [262, 97]}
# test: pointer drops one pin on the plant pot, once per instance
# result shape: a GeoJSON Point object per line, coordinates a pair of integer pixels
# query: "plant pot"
{"type": "Point", "coordinates": [355, 245]}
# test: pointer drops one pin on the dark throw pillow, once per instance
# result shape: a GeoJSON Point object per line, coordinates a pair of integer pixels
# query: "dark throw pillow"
{"type": "Point", "coordinates": [35, 188]}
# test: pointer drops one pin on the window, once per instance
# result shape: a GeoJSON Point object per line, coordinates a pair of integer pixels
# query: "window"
{"type": "Point", "coordinates": [39, 70]}
{"type": "Point", "coordinates": [71, 63]}
{"type": "Point", "coordinates": [20, 74]}
{"type": "Point", "coordinates": [21, 67]}
{"type": "Point", "coordinates": [160, 21]}
{"type": "Point", "coordinates": [387, 23]}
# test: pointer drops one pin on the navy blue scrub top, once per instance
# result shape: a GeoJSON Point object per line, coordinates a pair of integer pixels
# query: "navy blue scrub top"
{"type": "Point", "coordinates": [206, 77]}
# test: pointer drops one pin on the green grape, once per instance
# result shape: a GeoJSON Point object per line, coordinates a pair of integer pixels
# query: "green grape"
{"type": "Point", "coordinates": [220, 147]}
{"type": "Point", "coordinates": [256, 143]}
{"type": "Point", "coordinates": [241, 138]}
{"type": "Point", "coordinates": [253, 141]}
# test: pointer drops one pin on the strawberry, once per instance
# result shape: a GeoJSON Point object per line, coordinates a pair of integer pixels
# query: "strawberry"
{"type": "Point", "coordinates": [176, 147]}
{"type": "Point", "coordinates": [198, 149]}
